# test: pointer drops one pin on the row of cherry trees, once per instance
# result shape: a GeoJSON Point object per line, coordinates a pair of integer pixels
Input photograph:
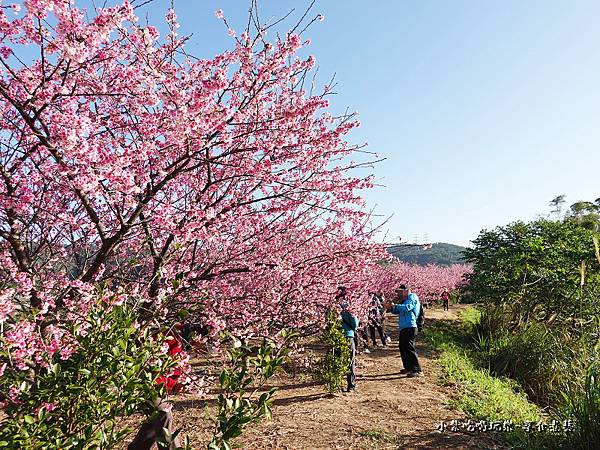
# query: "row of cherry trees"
{"type": "Point", "coordinates": [222, 187]}
{"type": "Point", "coordinates": [428, 282]}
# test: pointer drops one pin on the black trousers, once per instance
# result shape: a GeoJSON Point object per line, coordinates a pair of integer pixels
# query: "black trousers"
{"type": "Point", "coordinates": [361, 335]}
{"type": "Point", "coordinates": [351, 377]}
{"type": "Point", "coordinates": [373, 326]}
{"type": "Point", "coordinates": [408, 353]}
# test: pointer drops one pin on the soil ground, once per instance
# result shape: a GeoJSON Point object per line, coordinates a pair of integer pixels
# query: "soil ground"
{"type": "Point", "coordinates": [389, 410]}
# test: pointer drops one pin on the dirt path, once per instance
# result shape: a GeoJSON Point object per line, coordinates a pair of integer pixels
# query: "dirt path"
{"type": "Point", "coordinates": [389, 411]}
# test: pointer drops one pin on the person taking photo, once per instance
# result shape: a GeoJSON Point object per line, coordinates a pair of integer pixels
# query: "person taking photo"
{"type": "Point", "coordinates": [407, 309]}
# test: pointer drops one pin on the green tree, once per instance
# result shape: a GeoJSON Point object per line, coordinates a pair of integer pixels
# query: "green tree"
{"type": "Point", "coordinates": [586, 214]}
{"type": "Point", "coordinates": [535, 271]}
{"type": "Point", "coordinates": [538, 284]}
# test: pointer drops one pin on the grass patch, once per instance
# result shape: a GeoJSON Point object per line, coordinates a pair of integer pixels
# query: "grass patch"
{"type": "Point", "coordinates": [379, 434]}
{"type": "Point", "coordinates": [378, 437]}
{"type": "Point", "coordinates": [483, 396]}
{"type": "Point", "coordinates": [470, 316]}
{"type": "Point", "coordinates": [442, 334]}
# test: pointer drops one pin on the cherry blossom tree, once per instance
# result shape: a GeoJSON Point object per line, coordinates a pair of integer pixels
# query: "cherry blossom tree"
{"type": "Point", "coordinates": [133, 172]}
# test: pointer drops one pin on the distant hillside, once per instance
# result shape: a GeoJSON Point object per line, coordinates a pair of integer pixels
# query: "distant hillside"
{"type": "Point", "coordinates": [439, 253]}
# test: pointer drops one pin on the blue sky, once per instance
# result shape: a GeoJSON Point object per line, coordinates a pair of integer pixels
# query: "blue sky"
{"type": "Point", "coordinates": [484, 111]}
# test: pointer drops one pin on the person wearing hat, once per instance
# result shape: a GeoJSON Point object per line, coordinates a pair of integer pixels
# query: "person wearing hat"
{"type": "Point", "coordinates": [376, 316]}
{"type": "Point", "coordinates": [408, 310]}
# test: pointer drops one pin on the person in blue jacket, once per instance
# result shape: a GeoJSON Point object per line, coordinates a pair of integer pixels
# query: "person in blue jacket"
{"type": "Point", "coordinates": [350, 325]}
{"type": "Point", "coordinates": [408, 310]}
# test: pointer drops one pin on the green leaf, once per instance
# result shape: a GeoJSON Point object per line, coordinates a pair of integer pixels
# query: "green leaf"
{"type": "Point", "coordinates": [223, 378]}
{"type": "Point", "coordinates": [28, 419]}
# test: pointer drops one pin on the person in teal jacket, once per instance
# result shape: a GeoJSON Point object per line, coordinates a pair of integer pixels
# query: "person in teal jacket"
{"type": "Point", "coordinates": [408, 310]}
{"type": "Point", "coordinates": [350, 324]}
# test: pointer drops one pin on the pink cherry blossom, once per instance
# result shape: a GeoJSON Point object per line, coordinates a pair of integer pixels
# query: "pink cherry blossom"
{"type": "Point", "coordinates": [426, 281]}
{"type": "Point", "coordinates": [46, 406]}
{"type": "Point", "coordinates": [219, 185]}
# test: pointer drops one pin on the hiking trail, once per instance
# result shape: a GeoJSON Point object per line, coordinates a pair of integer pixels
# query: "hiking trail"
{"type": "Point", "coordinates": [389, 410]}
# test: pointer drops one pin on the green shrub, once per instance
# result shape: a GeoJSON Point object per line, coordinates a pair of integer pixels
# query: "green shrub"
{"type": "Point", "coordinates": [80, 403]}
{"type": "Point", "coordinates": [240, 403]}
{"type": "Point", "coordinates": [333, 366]}
{"type": "Point", "coordinates": [582, 409]}
{"type": "Point", "coordinates": [538, 284]}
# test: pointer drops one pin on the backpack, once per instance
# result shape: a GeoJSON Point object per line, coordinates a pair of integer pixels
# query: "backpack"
{"type": "Point", "coordinates": [420, 318]}
{"type": "Point", "coordinates": [350, 320]}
